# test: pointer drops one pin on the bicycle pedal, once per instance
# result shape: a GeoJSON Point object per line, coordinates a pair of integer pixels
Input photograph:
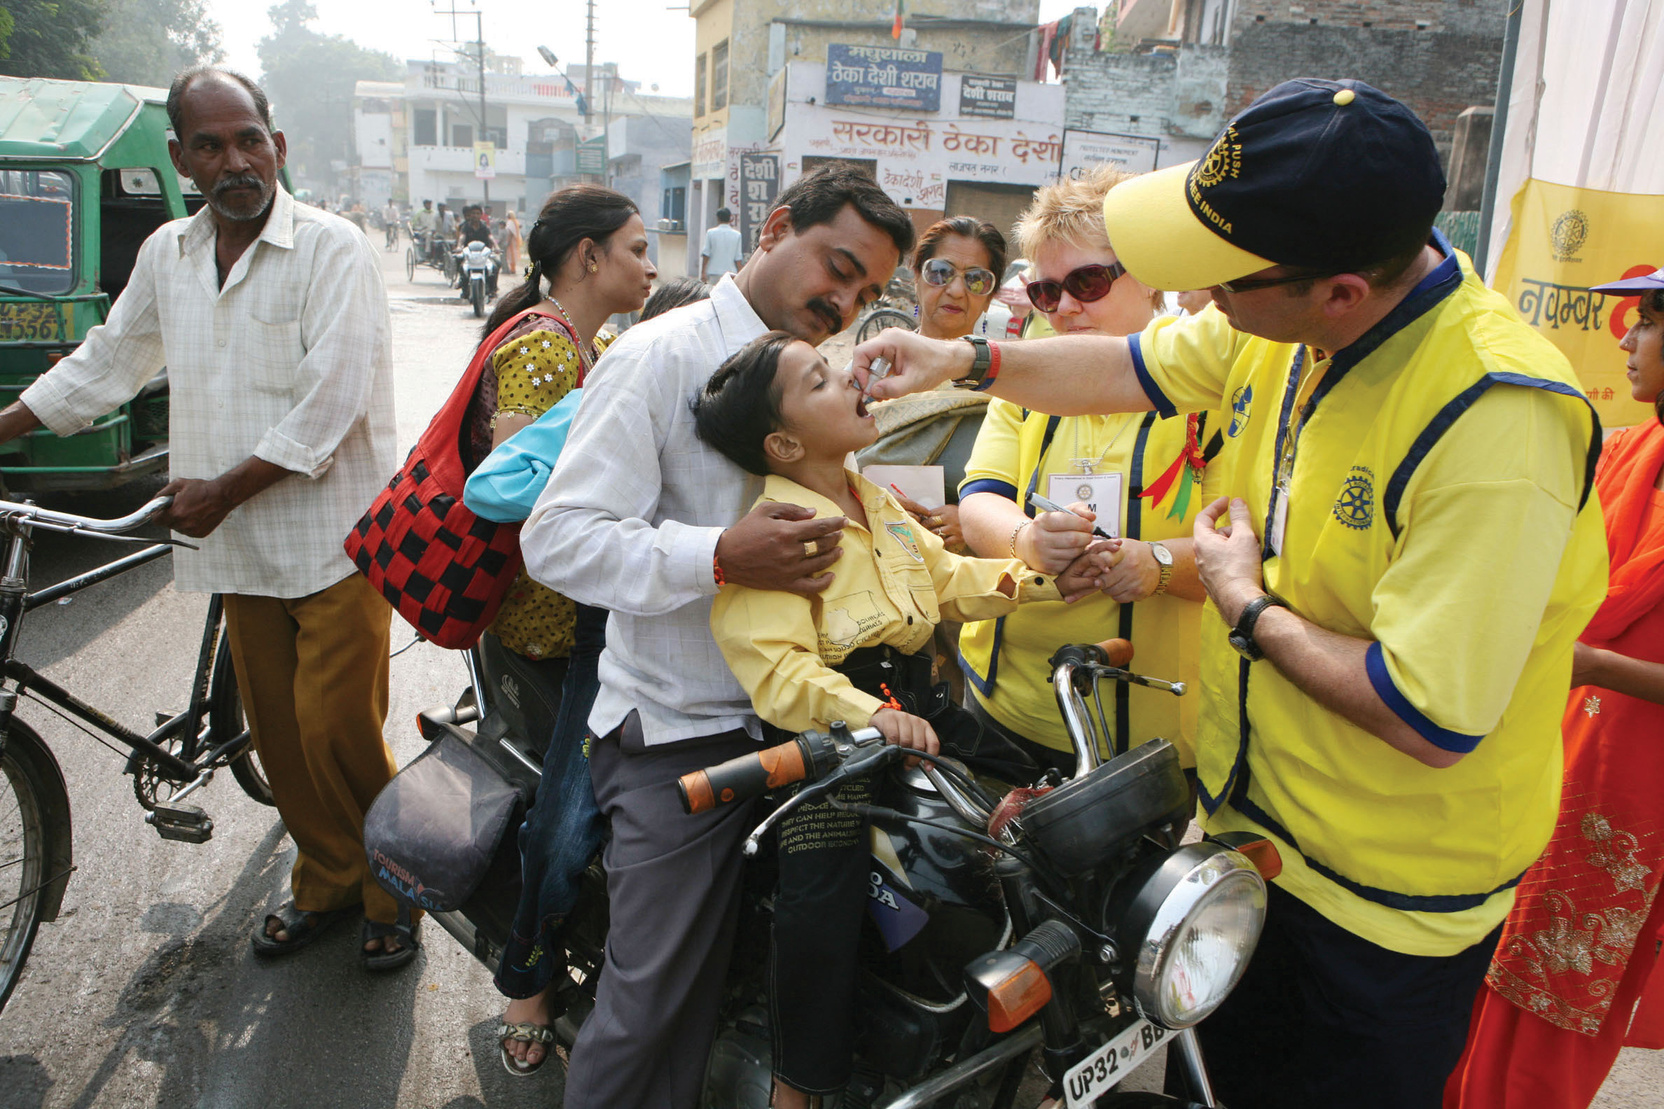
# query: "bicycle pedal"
{"type": "Point", "coordinates": [184, 823]}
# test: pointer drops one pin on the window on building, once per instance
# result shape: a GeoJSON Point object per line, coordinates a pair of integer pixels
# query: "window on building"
{"type": "Point", "coordinates": [699, 85]}
{"type": "Point", "coordinates": [719, 75]}
{"type": "Point", "coordinates": [462, 134]}
{"type": "Point", "coordinates": [675, 204]}
{"type": "Point", "coordinates": [427, 127]}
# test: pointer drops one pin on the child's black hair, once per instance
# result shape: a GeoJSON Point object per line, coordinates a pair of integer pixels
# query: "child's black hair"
{"type": "Point", "coordinates": [739, 406]}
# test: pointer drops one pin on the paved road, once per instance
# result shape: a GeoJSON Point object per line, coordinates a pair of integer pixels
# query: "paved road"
{"type": "Point", "coordinates": [144, 994]}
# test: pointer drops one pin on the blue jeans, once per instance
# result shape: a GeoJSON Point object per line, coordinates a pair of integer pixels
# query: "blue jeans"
{"type": "Point", "coordinates": [564, 828]}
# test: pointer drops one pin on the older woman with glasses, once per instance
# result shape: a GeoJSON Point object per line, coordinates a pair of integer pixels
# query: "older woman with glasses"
{"type": "Point", "coordinates": [956, 271]}
{"type": "Point", "coordinates": [1138, 477]}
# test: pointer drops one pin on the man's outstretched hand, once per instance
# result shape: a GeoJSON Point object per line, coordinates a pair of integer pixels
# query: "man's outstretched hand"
{"type": "Point", "coordinates": [199, 506]}
{"type": "Point", "coordinates": [781, 546]}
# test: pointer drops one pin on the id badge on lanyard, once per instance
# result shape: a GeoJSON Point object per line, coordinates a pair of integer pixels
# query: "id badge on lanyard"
{"type": "Point", "coordinates": [1102, 493]}
{"type": "Point", "coordinates": [1283, 475]}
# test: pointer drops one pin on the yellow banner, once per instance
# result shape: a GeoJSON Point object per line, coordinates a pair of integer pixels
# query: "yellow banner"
{"type": "Point", "coordinates": [1564, 240]}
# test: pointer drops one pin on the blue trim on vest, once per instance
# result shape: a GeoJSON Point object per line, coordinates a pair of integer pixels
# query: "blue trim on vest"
{"type": "Point", "coordinates": [1375, 664]}
{"type": "Point", "coordinates": [988, 485]}
{"type": "Point", "coordinates": [1446, 418]}
{"type": "Point", "coordinates": [1291, 389]}
{"type": "Point", "coordinates": [1404, 902]}
{"type": "Point", "coordinates": [1135, 347]}
{"type": "Point", "coordinates": [1135, 529]}
{"type": "Point", "coordinates": [1239, 768]}
{"type": "Point", "coordinates": [985, 686]}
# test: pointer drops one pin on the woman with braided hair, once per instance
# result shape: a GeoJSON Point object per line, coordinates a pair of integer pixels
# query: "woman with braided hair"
{"type": "Point", "coordinates": [588, 254]}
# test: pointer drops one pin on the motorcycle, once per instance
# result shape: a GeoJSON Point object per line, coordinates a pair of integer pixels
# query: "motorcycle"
{"type": "Point", "coordinates": [1066, 918]}
{"type": "Point", "coordinates": [477, 275]}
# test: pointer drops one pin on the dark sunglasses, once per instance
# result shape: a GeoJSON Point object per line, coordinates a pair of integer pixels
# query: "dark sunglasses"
{"type": "Point", "coordinates": [1086, 284]}
{"type": "Point", "coordinates": [1249, 284]}
{"type": "Point", "coordinates": [941, 272]}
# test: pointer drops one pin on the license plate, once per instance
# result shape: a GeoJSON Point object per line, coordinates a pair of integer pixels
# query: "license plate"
{"type": "Point", "coordinates": [34, 322]}
{"type": "Point", "coordinates": [1100, 1071]}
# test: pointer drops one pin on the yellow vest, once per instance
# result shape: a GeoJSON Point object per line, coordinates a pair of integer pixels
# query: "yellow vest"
{"type": "Point", "coordinates": [1413, 858]}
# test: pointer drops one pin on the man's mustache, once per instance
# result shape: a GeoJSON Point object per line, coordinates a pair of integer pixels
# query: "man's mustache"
{"type": "Point", "coordinates": [241, 181]}
{"type": "Point", "coordinates": [824, 309]}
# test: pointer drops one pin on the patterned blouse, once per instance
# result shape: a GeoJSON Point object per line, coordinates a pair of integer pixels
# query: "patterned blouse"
{"type": "Point", "coordinates": [528, 374]}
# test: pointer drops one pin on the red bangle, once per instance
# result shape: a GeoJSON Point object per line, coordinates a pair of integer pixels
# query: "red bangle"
{"type": "Point", "coordinates": [716, 571]}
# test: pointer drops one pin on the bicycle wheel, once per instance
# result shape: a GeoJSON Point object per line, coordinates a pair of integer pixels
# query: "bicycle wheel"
{"type": "Point", "coordinates": [24, 853]}
{"type": "Point", "coordinates": [225, 718]}
{"type": "Point", "coordinates": [884, 317]}
{"type": "Point", "coordinates": [410, 263]}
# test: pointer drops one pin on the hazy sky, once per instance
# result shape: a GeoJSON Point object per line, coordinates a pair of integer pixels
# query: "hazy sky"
{"type": "Point", "coordinates": [663, 55]}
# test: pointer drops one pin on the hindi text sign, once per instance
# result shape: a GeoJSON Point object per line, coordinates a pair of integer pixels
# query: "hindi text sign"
{"type": "Point", "coordinates": [884, 77]}
{"type": "Point", "coordinates": [759, 185]}
{"type": "Point", "coordinates": [987, 97]}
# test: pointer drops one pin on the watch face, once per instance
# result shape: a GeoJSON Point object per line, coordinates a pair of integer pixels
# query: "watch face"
{"type": "Point", "coordinates": [1161, 554]}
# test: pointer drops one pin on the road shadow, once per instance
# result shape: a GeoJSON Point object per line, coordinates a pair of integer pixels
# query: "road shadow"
{"type": "Point", "coordinates": [25, 1081]}
{"type": "Point", "coordinates": [62, 630]}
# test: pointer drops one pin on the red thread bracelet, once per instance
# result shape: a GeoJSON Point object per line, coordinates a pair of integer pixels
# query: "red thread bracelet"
{"type": "Point", "coordinates": [716, 571]}
{"type": "Point", "coordinates": [993, 367]}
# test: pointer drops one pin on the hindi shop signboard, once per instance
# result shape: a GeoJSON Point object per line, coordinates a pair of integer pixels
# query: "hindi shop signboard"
{"type": "Point", "coordinates": [987, 97]}
{"type": "Point", "coordinates": [759, 185]}
{"type": "Point", "coordinates": [884, 77]}
{"type": "Point", "coordinates": [1084, 150]}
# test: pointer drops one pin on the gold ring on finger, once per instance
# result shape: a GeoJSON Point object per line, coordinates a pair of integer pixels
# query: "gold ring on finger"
{"type": "Point", "coordinates": [935, 521]}
{"type": "Point", "coordinates": [811, 548]}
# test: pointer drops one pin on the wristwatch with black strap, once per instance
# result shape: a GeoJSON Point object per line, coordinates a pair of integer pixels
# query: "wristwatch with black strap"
{"type": "Point", "coordinates": [985, 364]}
{"type": "Point", "coordinates": [1242, 636]}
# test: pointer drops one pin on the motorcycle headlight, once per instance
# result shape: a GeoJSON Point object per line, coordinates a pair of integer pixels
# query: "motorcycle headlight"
{"type": "Point", "coordinates": [1196, 920]}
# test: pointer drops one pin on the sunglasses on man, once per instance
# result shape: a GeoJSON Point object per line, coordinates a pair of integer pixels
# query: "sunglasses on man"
{"type": "Point", "coordinates": [1086, 284]}
{"type": "Point", "coordinates": [940, 273]}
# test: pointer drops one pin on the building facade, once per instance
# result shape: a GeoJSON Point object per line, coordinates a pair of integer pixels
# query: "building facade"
{"type": "Point", "coordinates": [420, 139]}
{"type": "Point", "coordinates": [742, 49]}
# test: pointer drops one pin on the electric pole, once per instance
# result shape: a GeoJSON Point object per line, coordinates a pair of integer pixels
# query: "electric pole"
{"type": "Point", "coordinates": [479, 42]}
{"type": "Point", "coordinates": [589, 62]}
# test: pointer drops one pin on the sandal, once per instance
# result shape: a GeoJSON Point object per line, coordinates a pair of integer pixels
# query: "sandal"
{"type": "Point", "coordinates": [303, 927]}
{"type": "Point", "coordinates": [402, 930]}
{"type": "Point", "coordinates": [525, 1033]}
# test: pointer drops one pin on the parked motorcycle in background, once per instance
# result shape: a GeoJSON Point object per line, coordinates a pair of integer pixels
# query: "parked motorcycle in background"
{"type": "Point", "coordinates": [477, 280]}
{"type": "Point", "coordinates": [1066, 917]}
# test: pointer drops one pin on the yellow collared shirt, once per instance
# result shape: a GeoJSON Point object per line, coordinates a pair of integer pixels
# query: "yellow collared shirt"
{"type": "Point", "coordinates": [893, 583]}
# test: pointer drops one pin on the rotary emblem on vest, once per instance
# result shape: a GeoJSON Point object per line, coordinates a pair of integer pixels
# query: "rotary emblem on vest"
{"type": "Point", "coordinates": [1355, 507]}
{"type": "Point", "coordinates": [1241, 402]}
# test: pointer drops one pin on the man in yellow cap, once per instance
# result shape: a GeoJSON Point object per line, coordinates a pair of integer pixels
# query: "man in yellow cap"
{"type": "Point", "coordinates": [1408, 552]}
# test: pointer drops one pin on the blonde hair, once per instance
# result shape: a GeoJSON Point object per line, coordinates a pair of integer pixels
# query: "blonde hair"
{"type": "Point", "coordinates": [1072, 211]}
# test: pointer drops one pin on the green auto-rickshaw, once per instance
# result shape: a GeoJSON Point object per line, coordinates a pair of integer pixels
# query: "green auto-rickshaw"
{"type": "Point", "coordinates": [85, 178]}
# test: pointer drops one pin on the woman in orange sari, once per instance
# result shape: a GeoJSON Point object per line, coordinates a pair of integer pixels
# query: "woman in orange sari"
{"type": "Point", "coordinates": [1576, 975]}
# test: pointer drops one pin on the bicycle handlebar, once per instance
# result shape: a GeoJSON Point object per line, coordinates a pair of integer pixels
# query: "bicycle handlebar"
{"type": "Point", "coordinates": [69, 520]}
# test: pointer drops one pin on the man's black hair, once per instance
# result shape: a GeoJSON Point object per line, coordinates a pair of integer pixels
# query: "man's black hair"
{"type": "Point", "coordinates": [723, 215]}
{"type": "Point", "coordinates": [819, 197]}
{"type": "Point", "coordinates": [739, 406]}
{"type": "Point", "coordinates": [182, 84]}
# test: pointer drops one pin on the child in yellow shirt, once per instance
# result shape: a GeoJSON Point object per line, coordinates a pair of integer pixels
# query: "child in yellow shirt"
{"type": "Point", "coordinates": [856, 652]}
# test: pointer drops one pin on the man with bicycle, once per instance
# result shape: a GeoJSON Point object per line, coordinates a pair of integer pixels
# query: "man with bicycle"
{"type": "Point", "coordinates": [1406, 558]}
{"type": "Point", "coordinates": [272, 322]}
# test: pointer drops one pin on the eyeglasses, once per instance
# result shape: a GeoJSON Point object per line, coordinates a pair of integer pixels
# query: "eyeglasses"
{"type": "Point", "coordinates": [941, 272]}
{"type": "Point", "coordinates": [1249, 284]}
{"type": "Point", "coordinates": [1087, 284]}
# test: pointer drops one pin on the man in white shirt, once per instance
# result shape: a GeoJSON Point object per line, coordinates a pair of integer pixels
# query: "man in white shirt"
{"type": "Point", "coordinates": [272, 321]}
{"type": "Point", "coordinates": [721, 253]}
{"type": "Point", "coordinates": [643, 519]}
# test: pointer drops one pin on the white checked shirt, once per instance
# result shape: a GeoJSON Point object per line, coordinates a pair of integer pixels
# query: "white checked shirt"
{"type": "Point", "coordinates": [631, 515]}
{"type": "Point", "coordinates": [291, 361]}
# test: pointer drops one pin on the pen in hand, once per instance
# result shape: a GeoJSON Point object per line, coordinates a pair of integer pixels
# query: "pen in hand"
{"type": "Point", "coordinates": [1045, 505]}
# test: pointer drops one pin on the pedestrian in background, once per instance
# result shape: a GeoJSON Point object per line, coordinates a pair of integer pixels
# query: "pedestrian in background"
{"type": "Point", "coordinates": [1581, 948]}
{"type": "Point", "coordinates": [271, 319]}
{"type": "Point", "coordinates": [512, 238]}
{"type": "Point", "coordinates": [721, 252]}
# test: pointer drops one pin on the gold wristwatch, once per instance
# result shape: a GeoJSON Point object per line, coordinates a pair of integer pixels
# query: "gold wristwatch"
{"type": "Point", "coordinates": [1164, 559]}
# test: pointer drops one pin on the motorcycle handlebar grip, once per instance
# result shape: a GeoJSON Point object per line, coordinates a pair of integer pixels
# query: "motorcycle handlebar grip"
{"type": "Point", "coordinates": [745, 777]}
{"type": "Point", "coordinates": [1116, 652]}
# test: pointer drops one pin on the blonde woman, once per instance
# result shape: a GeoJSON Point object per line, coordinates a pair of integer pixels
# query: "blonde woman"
{"type": "Point", "coordinates": [1139, 477]}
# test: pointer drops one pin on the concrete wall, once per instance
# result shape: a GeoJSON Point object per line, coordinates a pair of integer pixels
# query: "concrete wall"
{"type": "Point", "coordinates": [1465, 17]}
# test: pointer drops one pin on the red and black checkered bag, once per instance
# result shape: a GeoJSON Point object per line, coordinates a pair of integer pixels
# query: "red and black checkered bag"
{"type": "Point", "coordinates": [442, 568]}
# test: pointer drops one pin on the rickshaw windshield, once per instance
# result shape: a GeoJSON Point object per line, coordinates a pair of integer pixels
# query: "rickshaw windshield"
{"type": "Point", "coordinates": [37, 230]}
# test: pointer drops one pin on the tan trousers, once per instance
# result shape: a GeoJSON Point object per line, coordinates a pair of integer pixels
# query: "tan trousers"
{"type": "Point", "coordinates": [313, 674]}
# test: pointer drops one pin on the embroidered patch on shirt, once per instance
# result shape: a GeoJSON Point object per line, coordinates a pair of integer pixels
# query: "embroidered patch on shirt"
{"type": "Point", "coordinates": [909, 542]}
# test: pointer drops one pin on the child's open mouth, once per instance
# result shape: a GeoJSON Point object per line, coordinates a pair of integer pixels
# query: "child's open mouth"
{"type": "Point", "coordinates": [861, 407]}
